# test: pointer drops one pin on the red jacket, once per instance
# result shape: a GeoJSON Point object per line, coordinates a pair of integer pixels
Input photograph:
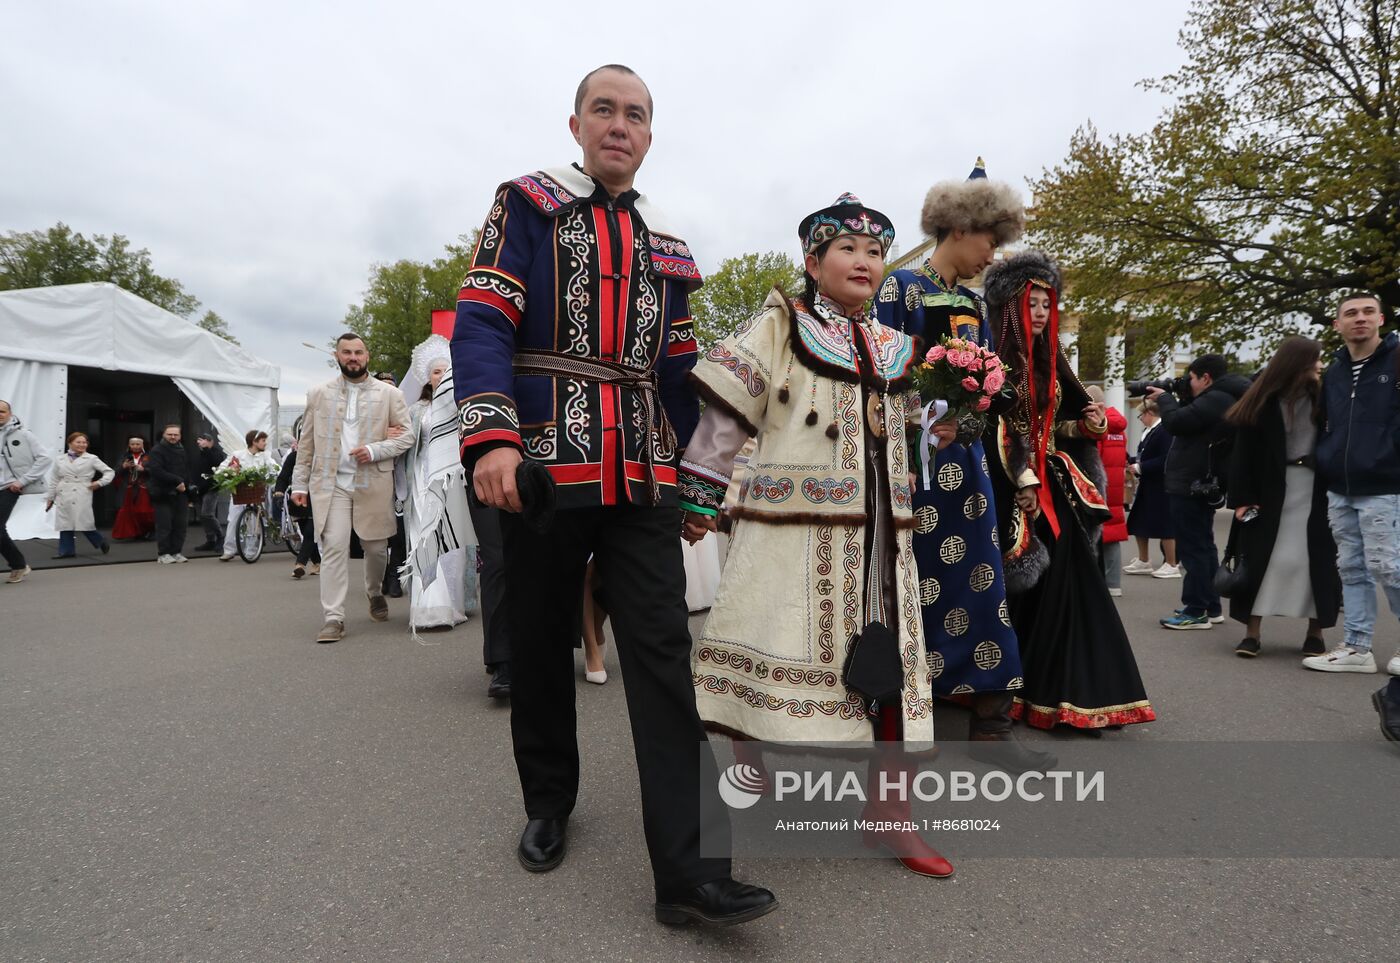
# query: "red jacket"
{"type": "Point", "coordinates": [1113, 449]}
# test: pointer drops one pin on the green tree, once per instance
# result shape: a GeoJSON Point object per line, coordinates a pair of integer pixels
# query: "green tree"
{"type": "Point", "coordinates": [216, 325]}
{"type": "Point", "coordinates": [396, 313]}
{"type": "Point", "coordinates": [1268, 188]}
{"type": "Point", "coordinates": [32, 259]}
{"type": "Point", "coordinates": [736, 290]}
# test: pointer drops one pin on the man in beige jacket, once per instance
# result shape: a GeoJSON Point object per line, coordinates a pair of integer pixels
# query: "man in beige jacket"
{"type": "Point", "coordinates": [352, 431]}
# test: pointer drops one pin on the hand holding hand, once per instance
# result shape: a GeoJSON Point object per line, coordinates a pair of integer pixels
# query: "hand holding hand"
{"type": "Point", "coordinates": [494, 479]}
{"type": "Point", "coordinates": [696, 525]}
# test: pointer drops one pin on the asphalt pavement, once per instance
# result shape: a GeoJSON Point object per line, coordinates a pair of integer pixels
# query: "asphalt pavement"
{"type": "Point", "coordinates": [185, 775]}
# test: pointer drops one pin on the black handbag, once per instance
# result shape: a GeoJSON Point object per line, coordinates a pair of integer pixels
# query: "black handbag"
{"type": "Point", "coordinates": [1232, 577]}
{"type": "Point", "coordinates": [874, 668]}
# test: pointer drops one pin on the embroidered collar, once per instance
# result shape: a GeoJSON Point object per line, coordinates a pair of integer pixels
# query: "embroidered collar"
{"type": "Point", "coordinates": [926, 269]}
{"type": "Point", "coordinates": [832, 313]}
{"type": "Point", "coordinates": [822, 341]}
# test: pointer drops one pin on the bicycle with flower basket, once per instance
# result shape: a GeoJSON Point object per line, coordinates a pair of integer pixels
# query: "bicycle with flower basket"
{"type": "Point", "coordinates": [249, 486]}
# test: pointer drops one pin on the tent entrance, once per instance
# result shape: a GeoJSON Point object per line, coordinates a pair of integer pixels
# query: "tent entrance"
{"type": "Point", "coordinates": [113, 406]}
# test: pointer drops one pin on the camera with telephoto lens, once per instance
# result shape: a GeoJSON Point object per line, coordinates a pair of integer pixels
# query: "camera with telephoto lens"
{"type": "Point", "coordinates": [1181, 387]}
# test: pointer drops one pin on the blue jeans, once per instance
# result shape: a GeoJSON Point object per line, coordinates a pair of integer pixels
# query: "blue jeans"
{"type": "Point", "coordinates": [66, 544]}
{"type": "Point", "coordinates": [1367, 531]}
{"type": "Point", "coordinates": [1195, 549]}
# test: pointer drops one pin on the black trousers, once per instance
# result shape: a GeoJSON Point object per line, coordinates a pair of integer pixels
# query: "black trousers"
{"type": "Point", "coordinates": [398, 554]}
{"type": "Point", "coordinates": [310, 551]}
{"type": "Point", "coordinates": [495, 626]}
{"type": "Point", "coordinates": [638, 552]}
{"type": "Point", "coordinates": [172, 518]}
{"type": "Point", "coordinates": [8, 548]}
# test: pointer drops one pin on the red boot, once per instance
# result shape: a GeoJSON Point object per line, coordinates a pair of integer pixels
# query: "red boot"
{"type": "Point", "coordinates": [904, 843]}
{"type": "Point", "coordinates": [747, 753]}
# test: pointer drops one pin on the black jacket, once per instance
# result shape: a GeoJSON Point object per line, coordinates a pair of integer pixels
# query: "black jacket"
{"type": "Point", "coordinates": [1195, 427]}
{"type": "Point", "coordinates": [166, 468]}
{"type": "Point", "coordinates": [1369, 463]}
{"type": "Point", "coordinates": [1258, 473]}
{"type": "Point", "coordinates": [205, 461]}
{"type": "Point", "coordinates": [284, 481]}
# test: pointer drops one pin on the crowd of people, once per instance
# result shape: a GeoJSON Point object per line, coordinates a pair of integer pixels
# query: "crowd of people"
{"type": "Point", "coordinates": [885, 550]}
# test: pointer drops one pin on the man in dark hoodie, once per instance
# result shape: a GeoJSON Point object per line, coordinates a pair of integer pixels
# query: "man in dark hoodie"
{"type": "Point", "coordinates": [1198, 456]}
{"type": "Point", "coordinates": [1358, 456]}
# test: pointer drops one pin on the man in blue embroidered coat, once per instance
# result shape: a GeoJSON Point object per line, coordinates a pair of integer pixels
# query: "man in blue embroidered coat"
{"type": "Point", "coordinates": [572, 343]}
{"type": "Point", "coordinates": [967, 627]}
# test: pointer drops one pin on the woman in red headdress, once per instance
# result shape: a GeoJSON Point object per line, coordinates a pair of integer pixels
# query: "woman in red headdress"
{"type": "Point", "coordinates": [1078, 664]}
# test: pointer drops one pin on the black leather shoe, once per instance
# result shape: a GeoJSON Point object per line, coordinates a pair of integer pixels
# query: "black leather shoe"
{"type": "Point", "coordinates": [1011, 756]}
{"type": "Point", "coordinates": [499, 687]}
{"type": "Point", "coordinates": [1386, 699]}
{"type": "Point", "coordinates": [393, 588]}
{"type": "Point", "coordinates": [720, 902]}
{"type": "Point", "coordinates": [542, 844]}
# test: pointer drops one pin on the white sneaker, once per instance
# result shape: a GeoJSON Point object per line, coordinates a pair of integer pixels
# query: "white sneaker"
{"type": "Point", "coordinates": [1167, 571]}
{"type": "Point", "coordinates": [226, 557]}
{"type": "Point", "coordinates": [1393, 666]}
{"type": "Point", "coordinates": [166, 559]}
{"type": "Point", "coordinates": [1116, 593]}
{"type": "Point", "coordinates": [180, 558]}
{"type": "Point", "coordinates": [1342, 659]}
{"type": "Point", "coordinates": [1137, 567]}
{"type": "Point", "coordinates": [1216, 619]}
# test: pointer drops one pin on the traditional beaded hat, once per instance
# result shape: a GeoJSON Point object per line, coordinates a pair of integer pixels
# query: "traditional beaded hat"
{"type": "Point", "coordinates": [846, 216]}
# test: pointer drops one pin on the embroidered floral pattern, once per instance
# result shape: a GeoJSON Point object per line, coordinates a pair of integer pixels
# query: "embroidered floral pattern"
{"type": "Point", "coordinates": [767, 488]}
{"type": "Point", "coordinates": [836, 490]}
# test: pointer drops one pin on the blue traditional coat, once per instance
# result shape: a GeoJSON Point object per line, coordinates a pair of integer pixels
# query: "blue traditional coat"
{"type": "Point", "coordinates": [561, 266]}
{"type": "Point", "coordinates": [967, 628]}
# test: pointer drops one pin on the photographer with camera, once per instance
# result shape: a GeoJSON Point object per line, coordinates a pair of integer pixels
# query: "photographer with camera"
{"type": "Point", "coordinates": [1194, 412]}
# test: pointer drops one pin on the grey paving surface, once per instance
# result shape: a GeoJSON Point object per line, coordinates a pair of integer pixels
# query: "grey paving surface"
{"type": "Point", "coordinates": [185, 775]}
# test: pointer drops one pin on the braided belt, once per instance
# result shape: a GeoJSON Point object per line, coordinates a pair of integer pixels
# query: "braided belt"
{"type": "Point", "coordinates": [552, 364]}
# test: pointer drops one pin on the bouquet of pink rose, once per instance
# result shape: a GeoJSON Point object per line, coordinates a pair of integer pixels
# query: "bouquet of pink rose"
{"type": "Point", "coordinates": [965, 375]}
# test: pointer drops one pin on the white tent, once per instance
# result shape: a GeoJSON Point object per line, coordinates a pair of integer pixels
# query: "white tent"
{"type": "Point", "coordinates": [44, 330]}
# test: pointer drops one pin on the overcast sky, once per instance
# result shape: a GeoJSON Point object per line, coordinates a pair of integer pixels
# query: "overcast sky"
{"type": "Point", "coordinates": [268, 153]}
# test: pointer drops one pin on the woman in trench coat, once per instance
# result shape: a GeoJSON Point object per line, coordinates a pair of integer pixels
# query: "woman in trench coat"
{"type": "Point", "coordinates": [76, 475]}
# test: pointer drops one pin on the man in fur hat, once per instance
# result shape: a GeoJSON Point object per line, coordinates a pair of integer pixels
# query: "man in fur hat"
{"type": "Point", "coordinates": [967, 628]}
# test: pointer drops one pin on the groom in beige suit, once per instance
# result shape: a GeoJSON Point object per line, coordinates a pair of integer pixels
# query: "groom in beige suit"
{"type": "Point", "coordinates": [353, 429]}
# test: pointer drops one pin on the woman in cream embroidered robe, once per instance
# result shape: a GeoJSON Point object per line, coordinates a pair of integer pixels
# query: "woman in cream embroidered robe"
{"type": "Point", "coordinates": [829, 420]}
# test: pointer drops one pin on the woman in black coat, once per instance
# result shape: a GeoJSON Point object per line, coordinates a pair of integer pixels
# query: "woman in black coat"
{"type": "Point", "coordinates": [1289, 557]}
